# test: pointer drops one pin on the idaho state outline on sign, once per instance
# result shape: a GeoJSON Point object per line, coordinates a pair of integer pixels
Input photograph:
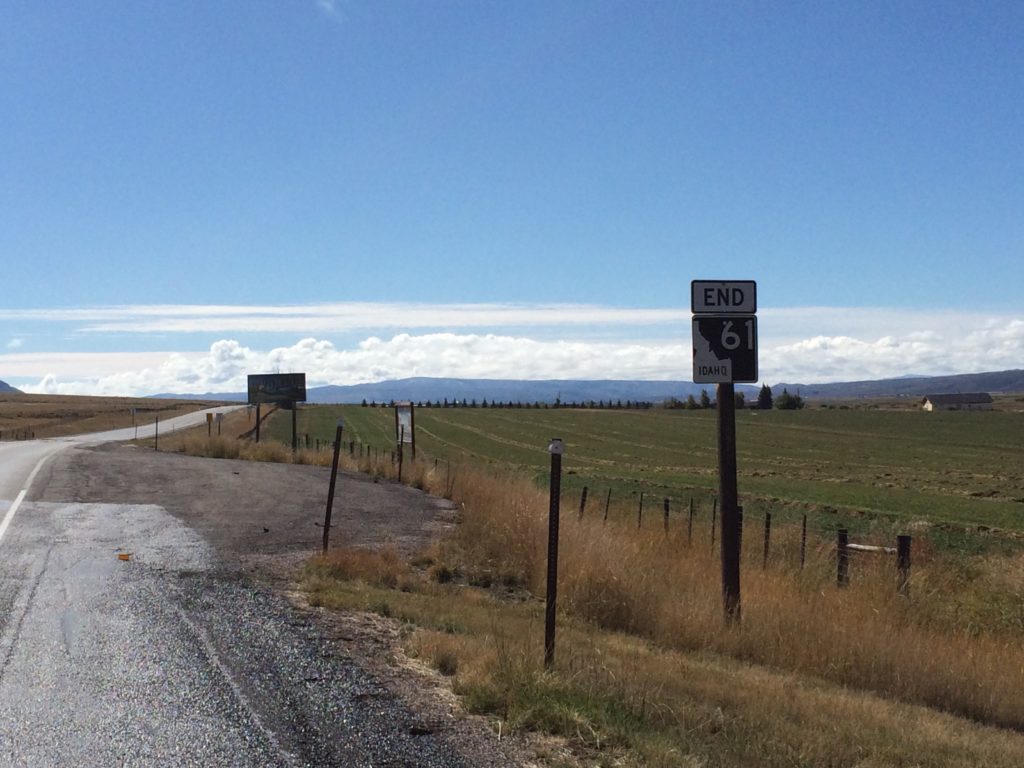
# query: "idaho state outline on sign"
{"type": "Point", "coordinates": [712, 361]}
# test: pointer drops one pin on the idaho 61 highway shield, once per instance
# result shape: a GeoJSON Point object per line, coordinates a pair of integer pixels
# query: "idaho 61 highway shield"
{"type": "Point", "coordinates": [724, 349]}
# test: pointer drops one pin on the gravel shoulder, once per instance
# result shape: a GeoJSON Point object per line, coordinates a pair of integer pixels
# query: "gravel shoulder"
{"type": "Point", "coordinates": [263, 521]}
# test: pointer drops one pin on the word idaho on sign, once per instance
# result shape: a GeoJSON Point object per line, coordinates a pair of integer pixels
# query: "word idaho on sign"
{"type": "Point", "coordinates": [724, 331]}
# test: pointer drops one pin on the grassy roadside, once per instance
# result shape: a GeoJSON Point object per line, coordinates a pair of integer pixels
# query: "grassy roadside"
{"type": "Point", "coordinates": [620, 700]}
{"type": "Point", "coordinates": [815, 675]}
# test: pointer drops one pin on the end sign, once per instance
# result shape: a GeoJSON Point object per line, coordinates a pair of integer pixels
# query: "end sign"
{"type": "Point", "coordinates": [724, 331]}
{"type": "Point", "coordinates": [723, 297]}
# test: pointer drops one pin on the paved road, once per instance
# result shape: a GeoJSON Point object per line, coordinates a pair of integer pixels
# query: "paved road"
{"type": "Point", "coordinates": [125, 641]}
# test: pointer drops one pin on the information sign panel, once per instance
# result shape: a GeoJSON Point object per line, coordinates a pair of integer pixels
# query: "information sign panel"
{"type": "Point", "coordinates": [278, 388]}
{"type": "Point", "coordinates": [403, 423]}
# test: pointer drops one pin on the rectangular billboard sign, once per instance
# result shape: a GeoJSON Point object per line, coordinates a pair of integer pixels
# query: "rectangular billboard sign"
{"type": "Point", "coordinates": [277, 388]}
{"type": "Point", "coordinates": [723, 297]}
{"type": "Point", "coordinates": [724, 349]}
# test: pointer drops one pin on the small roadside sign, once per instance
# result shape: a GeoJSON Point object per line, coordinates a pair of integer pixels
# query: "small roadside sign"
{"type": "Point", "coordinates": [723, 297]}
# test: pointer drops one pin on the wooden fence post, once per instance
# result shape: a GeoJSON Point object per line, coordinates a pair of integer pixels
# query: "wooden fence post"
{"type": "Point", "coordinates": [767, 538]}
{"type": "Point", "coordinates": [739, 542]}
{"type": "Point", "coordinates": [903, 565]}
{"type": "Point", "coordinates": [640, 510]}
{"type": "Point", "coordinates": [555, 448]}
{"type": "Point", "coordinates": [666, 515]}
{"type": "Point", "coordinates": [803, 543]}
{"type": "Point", "coordinates": [689, 525]}
{"type": "Point", "coordinates": [842, 558]}
{"type": "Point", "coordinates": [714, 512]}
{"type": "Point", "coordinates": [607, 503]}
{"type": "Point", "coordinates": [583, 502]}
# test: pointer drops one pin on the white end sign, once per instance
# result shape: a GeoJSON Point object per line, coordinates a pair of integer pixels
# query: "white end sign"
{"type": "Point", "coordinates": [723, 297]}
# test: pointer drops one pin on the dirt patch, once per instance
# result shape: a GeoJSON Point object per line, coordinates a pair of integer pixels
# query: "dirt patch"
{"type": "Point", "coordinates": [265, 520]}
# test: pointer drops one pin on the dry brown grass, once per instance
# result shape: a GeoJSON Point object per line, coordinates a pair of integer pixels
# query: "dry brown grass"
{"type": "Point", "coordinates": [60, 415]}
{"type": "Point", "coordinates": [645, 583]}
{"type": "Point", "coordinates": [621, 700]}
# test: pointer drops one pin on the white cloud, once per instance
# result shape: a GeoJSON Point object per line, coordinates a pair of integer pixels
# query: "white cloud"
{"type": "Point", "coordinates": [327, 6]}
{"type": "Point", "coordinates": [15, 343]}
{"type": "Point", "coordinates": [802, 344]}
{"type": "Point", "coordinates": [225, 367]}
{"type": "Point", "coordinates": [810, 360]}
{"type": "Point", "coordinates": [339, 317]}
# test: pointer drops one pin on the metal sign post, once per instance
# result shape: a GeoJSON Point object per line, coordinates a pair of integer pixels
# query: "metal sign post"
{"type": "Point", "coordinates": [725, 352]}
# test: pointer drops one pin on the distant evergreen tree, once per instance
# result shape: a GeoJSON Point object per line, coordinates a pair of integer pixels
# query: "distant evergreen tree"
{"type": "Point", "coordinates": [764, 398]}
{"type": "Point", "coordinates": [705, 400]}
{"type": "Point", "coordinates": [788, 402]}
{"type": "Point", "coordinates": [691, 403]}
{"type": "Point", "coordinates": [741, 401]}
{"type": "Point", "coordinates": [364, 403]}
{"type": "Point", "coordinates": [484, 404]}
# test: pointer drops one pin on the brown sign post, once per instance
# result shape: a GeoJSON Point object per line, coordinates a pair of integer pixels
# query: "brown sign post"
{"type": "Point", "coordinates": [725, 352]}
{"type": "Point", "coordinates": [556, 448]}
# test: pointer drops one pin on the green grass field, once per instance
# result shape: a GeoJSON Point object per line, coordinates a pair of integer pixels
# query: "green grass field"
{"type": "Point", "coordinates": [957, 475]}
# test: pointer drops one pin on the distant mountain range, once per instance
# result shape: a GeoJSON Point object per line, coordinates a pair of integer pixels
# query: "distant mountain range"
{"type": "Point", "coordinates": [916, 386]}
{"type": "Point", "coordinates": [572, 390]}
{"type": "Point", "coordinates": [6, 388]}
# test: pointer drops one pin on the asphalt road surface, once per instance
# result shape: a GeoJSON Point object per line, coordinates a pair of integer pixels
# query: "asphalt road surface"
{"type": "Point", "coordinates": [140, 623]}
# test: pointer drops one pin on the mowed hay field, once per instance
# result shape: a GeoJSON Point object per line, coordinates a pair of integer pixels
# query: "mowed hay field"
{"type": "Point", "coordinates": [645, 671]}
{"type": "Point", "coordinates": [24, 415]}
{"type": "Point", "coordinates": [957, 477]}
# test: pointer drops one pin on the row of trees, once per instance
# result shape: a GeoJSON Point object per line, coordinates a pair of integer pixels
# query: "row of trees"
{"type": "Point", "coordinates": [765, 401]}
{"type": "Point", "coordinates": [467, 403]}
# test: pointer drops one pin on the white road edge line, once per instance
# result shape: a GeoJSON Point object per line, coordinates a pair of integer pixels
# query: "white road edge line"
{"type": "Point", "coordinates": [21, 496]}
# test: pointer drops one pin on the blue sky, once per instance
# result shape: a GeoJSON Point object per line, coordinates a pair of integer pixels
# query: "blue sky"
{"type": "Point", "coordinates": [362, 190]}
